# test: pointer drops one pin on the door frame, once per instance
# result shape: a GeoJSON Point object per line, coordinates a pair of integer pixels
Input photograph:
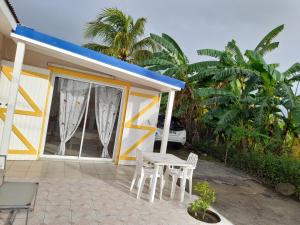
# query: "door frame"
{"type": "Point", "coordinates": [83, 76]}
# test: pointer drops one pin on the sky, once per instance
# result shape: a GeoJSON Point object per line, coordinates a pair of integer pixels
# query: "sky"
{"type": "Point", "coordinates": [194, 24]}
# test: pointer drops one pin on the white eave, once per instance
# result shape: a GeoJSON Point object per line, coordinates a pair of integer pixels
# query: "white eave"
{"type": "Point", "coordinates": [92, 64]}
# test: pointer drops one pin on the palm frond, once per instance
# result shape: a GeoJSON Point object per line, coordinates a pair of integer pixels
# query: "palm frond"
{"type": "Point", "coordinates": [269, 37]}
{"type": "Point", "coordinates": [236, 52]}
{"type": "Point", "coordinates": [174, 43]}
{"type": "Point", "coordinates": [165, 44]}
{"type": "Point", "coordinates": [140, 56]}
{"type": "Point", "coordinates": [294, 78]}
{"type": "Point", "coordinates": [268, 48]}
{"type": "Point", "coordinates": [101, 30]}
{"type": "Point", "coordinates": [156, 61]}
{"type": "Point", "coordinates": [196, 67]}
{"type": "Point", "coordinates": [274, 65]}
{"type": "Point", "coordinates": [159, 67]}
{"type": "Point", "coordinates": [202, 74]}
{"type": "Point", "coordinates": [207, 92]}
{"type": "Point", "coordinates": [138, 28]}
{"type": "Point", "coordinates": [170, 71]}
{"type": "Point", "coordinates": [261, 112]}
{"type": "Point", "coordinates": [116, 18]}
{"type": "Point", "coordinates": [96, 47]}
{"type": "Point", "coordinates": [295, 68]}
{"type": "Point", "coordinates": [218, 100]}
{"type": "Point", "coordinates": [233, 72]}
{"type": "Point", "coordinates": [288, 93]}
{"type": "Point", "coordinates": [146, 43]}
{"type": "Point", "coordinates": [227, 117]}
{"type": "Point", "coordinates": [210, 52]}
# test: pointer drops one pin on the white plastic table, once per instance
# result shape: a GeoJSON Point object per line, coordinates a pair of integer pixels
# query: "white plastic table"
{"type": "Point", "coordinates": [160, 159]}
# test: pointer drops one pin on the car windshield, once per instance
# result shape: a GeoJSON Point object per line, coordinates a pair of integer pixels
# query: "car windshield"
{"type": "Point", "coordinates": [175, 123]}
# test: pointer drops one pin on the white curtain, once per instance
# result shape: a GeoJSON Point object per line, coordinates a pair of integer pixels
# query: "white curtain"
{"type": "Point", "coordinates": [73, 101]}
{"type": "Point", "coordinates": [107, 101]}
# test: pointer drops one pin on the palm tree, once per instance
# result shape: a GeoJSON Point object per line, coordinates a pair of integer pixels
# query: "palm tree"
{"type": "Point", "coordinates": [119, 36]}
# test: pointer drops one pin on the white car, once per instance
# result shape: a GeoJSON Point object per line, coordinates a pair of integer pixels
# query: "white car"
{"type": "Point", "coordinates": [177, 132]}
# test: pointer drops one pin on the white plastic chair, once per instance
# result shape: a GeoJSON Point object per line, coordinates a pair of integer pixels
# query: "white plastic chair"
{"type": "Point", "coordinates": [178, 174]}
{"type": "Point", "coordinates": [144, 171]}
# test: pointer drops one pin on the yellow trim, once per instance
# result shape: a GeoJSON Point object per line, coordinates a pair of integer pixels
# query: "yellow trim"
{"type": "Point", "coordinates": [30, 148]}
{"type": "Point", "coordinates": [129, 123]}
{"type": "Point", "coordinates": [143, 95]}
{"type": "Point", "coordinates": [28, 73]}
{"type": "Point", "coordinates": [122, 125]}
{"type": "Point", "coordinates": [44, 119]}
{"type": "Point", "coordinates": [22, 112]}
{"type": "Point", "coordinates": [129, 158]}
{"type": "Point", "coordinates": [36, 110]}
{"type": "Point", "coordinates": [88, 76]}
{"type": "Point", "coordinates": [34, 74]}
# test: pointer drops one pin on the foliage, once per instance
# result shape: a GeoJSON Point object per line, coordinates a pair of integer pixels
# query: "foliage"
{"type": "Point", "coordinates": [248, 102]}
{"type": "Point", "coordinates": [207, 196]}
{"type": "Point", "coordinates": [172, 61]}
{"type": "Point", "coordinates": [120, 36]}
{"type": "Point", "coordinates": [271, 168]}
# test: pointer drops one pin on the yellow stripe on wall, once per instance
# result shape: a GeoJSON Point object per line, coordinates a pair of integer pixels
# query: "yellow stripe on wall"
{"type": "Point", "coordinates": [36, 111]}
{"type": "Point", "coordinates": [87, 76]}
{"type": "Point", "coordinates": [130, 124]}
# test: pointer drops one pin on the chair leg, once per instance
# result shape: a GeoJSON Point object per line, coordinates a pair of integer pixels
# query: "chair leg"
{"type": "Point", "coordinates": [149, 186]}
{"type": "Point", "coordinates": [26, 222]}
{"type": "Point", "coordinates": [190, 186]}
{"type": "Point", "coordinates": [173, 187]}
{"type": "Point", "coordinates": [166, 176]}
{"type": "Point", "coordinates": [133, 181]}
{"type": "Point", "coordinates": [162, 183]}
{"type": "Point", "coordinates": [141, 186]}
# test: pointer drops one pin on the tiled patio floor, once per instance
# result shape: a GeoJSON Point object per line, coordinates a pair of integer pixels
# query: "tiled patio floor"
{"type": "Point", "coordinates": [90, 193]}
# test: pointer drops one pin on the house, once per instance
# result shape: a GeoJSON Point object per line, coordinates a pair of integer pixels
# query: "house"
{"type": "Point", "coordinates": [60, 100]}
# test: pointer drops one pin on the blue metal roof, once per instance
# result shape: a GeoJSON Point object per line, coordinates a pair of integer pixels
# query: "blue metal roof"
{"type": "Point", "coordinates": [68, 46]}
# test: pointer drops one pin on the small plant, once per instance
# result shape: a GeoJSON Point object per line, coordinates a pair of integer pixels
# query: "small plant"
{"type": "Point", "coordinates": [207, 196]}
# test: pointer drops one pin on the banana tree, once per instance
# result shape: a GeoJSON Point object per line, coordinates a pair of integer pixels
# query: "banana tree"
{"type": "Point", "coordinates": [245, 93]}
{"type": "Point", "coordinates": [172, 61]}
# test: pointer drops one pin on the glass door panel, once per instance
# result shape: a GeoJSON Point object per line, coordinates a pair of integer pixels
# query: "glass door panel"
{"type": "Point", "coordinates": [92, 146]}
{"type": "Point", "coordinates": [53, 140]}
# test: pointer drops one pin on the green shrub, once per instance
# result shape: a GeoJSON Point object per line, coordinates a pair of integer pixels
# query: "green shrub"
{"type": "Point", "coordinates": [272, 169]}
{"type": "Point", "coordinates": [207, 196]}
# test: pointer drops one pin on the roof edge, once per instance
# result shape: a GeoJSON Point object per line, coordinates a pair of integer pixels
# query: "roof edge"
{"type": "Point", "coordinates": [108, 60]}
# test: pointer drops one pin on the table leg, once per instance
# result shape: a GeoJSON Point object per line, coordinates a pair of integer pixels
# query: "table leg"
{"type": "Point", "coordinates": [153, 184]}
{"type": "Point", "coordinates": [182, 185]}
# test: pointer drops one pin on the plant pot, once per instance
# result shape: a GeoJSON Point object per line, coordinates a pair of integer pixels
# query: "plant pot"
{"type": "Point", "coordinates": [210, 217]}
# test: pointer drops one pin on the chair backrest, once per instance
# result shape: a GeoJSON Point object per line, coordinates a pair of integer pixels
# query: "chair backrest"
{"type": "Point", "coordinates": [2, 168]}
{"type": "Point", "coordinates": [192, 160]}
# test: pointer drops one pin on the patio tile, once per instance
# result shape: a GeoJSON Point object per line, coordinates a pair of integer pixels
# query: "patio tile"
{"type": "Point", "coordinates": [36, 220]}
{"type": "Point", "coordinates": [57, 216]}
{"type": "Point", "coordinates": [78, 193]}
{"type": "Point", "coordinates": [111, 220]}
{"type": "Point", "coordinates": [16, 173]}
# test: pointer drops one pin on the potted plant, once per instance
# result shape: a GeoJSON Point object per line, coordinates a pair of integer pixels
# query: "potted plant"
{"type": "Point", "coordinates": [199, 209]}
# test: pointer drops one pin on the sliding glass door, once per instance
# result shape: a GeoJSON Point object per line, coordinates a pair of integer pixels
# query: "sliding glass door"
{"type": "Point", "coordinates": [83, 119]}
{"type": "Point", "coordinates": [101, 123]}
